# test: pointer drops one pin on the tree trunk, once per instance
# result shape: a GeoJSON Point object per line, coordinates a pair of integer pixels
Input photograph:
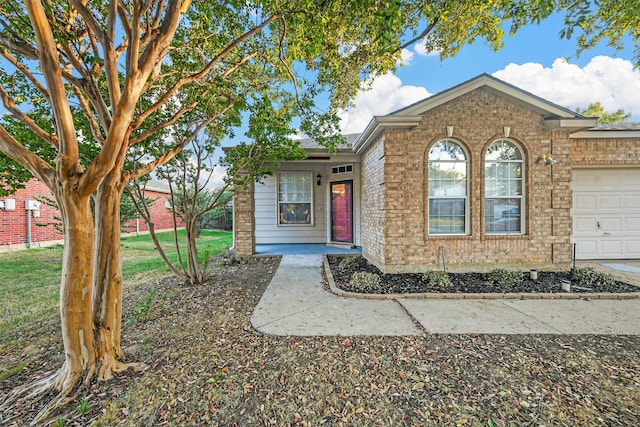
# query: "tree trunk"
{"type": "Point", "coordinates": [195, 272]}
{"type": "Point", "coordinates": [107, 291]}
{"type": "Point", "coordinates": [75, 288]}
{"type": "Point", "coordinates": [76, 283]}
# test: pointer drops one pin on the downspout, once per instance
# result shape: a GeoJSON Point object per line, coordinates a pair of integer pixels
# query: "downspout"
{"type": "Point", "coordinates": [28, 228]}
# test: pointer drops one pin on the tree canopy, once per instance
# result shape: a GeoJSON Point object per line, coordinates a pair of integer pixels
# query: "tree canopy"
{"type": "Point", "coordinates": [101, 93]}
{"type": "Point", "coordinates": [595, 21]}
{"type": "Point", "coordinates": [596, 109]}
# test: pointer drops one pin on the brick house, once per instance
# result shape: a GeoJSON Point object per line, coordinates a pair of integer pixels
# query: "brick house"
{"type": "Point", "coordinates": [480, 176]}
{"type": "Point", "coordinates": [26, 220]}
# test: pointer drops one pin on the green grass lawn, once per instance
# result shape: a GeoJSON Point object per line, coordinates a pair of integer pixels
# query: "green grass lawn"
{"type": "Point", "coordinates": [31, 278]}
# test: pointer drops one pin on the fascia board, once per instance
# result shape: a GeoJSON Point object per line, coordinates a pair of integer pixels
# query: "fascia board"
{"type": "Point", "coordinates": [380, 123]}
{"type": "Point", "coordinates": [569, 124]}
{"type": "Point", "coordinates": [605, 134]}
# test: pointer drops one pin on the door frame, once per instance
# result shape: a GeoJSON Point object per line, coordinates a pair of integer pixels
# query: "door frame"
{"type": "Point", "coordinates": [352, 213]}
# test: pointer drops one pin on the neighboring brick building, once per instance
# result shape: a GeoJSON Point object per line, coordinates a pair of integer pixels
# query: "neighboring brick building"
{"type": "Point", "coordinates": [26, 220]}
{"type": "Point", "coordinates": [161, 212]}
{"type": "Point", "coordinates": [19, 226]}
{"type": "Point", "coordinates": [480, 176]}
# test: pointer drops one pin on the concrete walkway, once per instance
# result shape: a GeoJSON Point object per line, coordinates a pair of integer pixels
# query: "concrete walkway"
{"type": "Point", "coordinates": [295, 303]}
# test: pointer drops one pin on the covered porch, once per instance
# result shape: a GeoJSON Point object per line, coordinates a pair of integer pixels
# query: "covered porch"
{"type": "Point", "coordinates": [304, 249]}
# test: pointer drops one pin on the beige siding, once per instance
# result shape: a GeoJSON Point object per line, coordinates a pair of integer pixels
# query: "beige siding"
{"type": "Point", "coordinates": [267, 229]}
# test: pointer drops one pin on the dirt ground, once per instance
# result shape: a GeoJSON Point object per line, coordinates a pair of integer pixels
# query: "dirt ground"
{"type": "Point", "coordinates": [209, 367]}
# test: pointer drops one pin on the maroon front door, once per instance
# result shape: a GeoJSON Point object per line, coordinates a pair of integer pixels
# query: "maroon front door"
{"type": "Point", "coordinates": [342, 211]}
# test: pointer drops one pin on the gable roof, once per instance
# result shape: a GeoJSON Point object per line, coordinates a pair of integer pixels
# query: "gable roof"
{"type": "Point", "coordinates": [310, 144]}
{"type": "Point", "coordinates": [555, 116]}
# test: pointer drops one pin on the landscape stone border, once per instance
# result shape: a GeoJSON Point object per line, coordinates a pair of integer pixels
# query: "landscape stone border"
{"type": "Point", "coordinates": [494, 295]}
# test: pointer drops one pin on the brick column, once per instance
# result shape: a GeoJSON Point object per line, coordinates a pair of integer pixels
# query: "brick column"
{"type": "Point", "coordinates": [244, 237]}
{"type": "Point", "coordinates": [561, 198]}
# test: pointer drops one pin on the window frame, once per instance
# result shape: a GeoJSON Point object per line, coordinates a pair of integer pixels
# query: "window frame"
{"type": "Point", "coordinates": [279, 202]}
{"type": "Point", "coordinates": [465, 197]}
{"type": "Point", "coordinates": [508, 214]}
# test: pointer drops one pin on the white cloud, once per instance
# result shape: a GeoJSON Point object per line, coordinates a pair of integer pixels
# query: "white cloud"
{"type": "Point", "coordinates": [406, 56]}
{"type": "Point", "coordinates": [387, 94]}
{"type": "Point", "coordinates": [217, 178]}
{"type": "Point", "coordinates": [611, 81]}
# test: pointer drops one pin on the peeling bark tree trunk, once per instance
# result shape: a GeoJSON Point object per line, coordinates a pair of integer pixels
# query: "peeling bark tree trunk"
{"type": "Point", "coordinates": [75, 287]}
{"type": "Point", "coordinates": [107, 293]}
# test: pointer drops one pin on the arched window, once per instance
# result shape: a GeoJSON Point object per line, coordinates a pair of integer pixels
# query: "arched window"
{"type": "Point", "coordinates": [504, 188]}
{"type": "Point", "coordinates": [447, 188]}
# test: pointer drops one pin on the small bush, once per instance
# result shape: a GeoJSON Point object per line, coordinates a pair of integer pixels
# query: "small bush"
{"type": "Point", "coordinates": [347, 262]}
{"type": "Point", "coordinates": [588, 276]}
{"type": "Point", "coordinates": [365, 282]}
{"type": "Point", "coordinates": [437, 278]}
{"type": "Point", "coordinates": [505, 278]}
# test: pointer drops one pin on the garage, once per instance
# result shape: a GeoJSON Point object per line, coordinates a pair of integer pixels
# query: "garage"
{"type": "Point", "coordinates": [606, 213]}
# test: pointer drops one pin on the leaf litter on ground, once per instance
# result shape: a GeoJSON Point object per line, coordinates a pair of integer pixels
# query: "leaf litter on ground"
{"type": "Point", "coordinates": [209, 367]}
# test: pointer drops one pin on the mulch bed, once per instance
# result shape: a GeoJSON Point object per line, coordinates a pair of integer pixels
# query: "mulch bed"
{"type": "Point", "coordinates": [407, 283]}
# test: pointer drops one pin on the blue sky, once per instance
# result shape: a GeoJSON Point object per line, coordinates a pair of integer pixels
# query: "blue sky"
{"type": "Point", "coordinates": [535, 59]}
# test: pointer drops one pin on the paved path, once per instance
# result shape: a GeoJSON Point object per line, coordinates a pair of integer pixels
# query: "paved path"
{"type": "Point", "coordinates": [295, 303]}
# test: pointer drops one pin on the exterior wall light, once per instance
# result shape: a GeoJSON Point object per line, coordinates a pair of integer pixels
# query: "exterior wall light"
{"type": "Point", "coordinates": [319, 179]}
{"type": "Point", "coordinates": [547, 159]}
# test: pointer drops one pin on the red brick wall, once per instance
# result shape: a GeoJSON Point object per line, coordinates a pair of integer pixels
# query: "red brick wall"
{"type": "Point", "coordinates": [161, 215]}
{"type": "Point", "coordinates": [13, 224]}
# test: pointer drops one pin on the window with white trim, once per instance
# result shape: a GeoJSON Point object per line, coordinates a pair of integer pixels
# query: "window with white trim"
{"type": "Point", "coordinates": [447, 188]}
{"type": "Point", "coordinates": [295, 198]}
{"type": "Point", "coordinates": [504, 188]}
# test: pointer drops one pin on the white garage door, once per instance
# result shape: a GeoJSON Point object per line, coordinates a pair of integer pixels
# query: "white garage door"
{"type": "Point", "coordinates": [606, 213]}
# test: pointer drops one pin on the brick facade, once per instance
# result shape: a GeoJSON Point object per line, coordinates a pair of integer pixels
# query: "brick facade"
{"type": "Point", "coordinates": [14, 224]}
{"type": "Point", "coordinates": [605, 152]}
{"type": "Point", "coordinates": [478, 119]}
{"type": "Point", "coordinates": [45, 228]}
{"type": "Point", "coordinates": [393, 153]}
{"type": "Point", "coordinates": [161, 214]}
{"type": "Point", "coordinates": [372, 204]}
{"type": "Point", "coordinates": [244, 238]}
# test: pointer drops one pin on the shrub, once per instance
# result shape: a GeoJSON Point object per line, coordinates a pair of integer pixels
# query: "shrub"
{"type": "Point", "coordinates": [365, 282]}
{"type": "Point", "coordinates": [437, 278]}
{"type": "Point", "coordinates": [347, 263]}
{"type": "Point", "coordinates": [505, 278]}
{"type": "Point", "coordinates": [589, 276]}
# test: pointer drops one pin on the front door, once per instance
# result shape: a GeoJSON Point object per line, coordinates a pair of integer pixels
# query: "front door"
{"type": "Point", "coordinates": [342, 211]}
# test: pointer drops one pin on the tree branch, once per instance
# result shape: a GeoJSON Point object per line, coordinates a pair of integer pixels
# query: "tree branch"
{"type": "Point", "coordinates": [164, 159]}
{"type": "Point", "coordinates": [33, 126]}
{"type": "Point", "coordinates": [422, 35]}
{"type": "Point", "coordinates": [93, 124]}
{"type": "Point", "coordinates": [207, 69]}
{"type": "Point", "coordinates": [33, 163]}
{"type": "Point", "coordinates": [49, 63]}
{"type": "Point", "coordinates": [146, 134]}
{"type": "Point", "coordinates": [25, 72]}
